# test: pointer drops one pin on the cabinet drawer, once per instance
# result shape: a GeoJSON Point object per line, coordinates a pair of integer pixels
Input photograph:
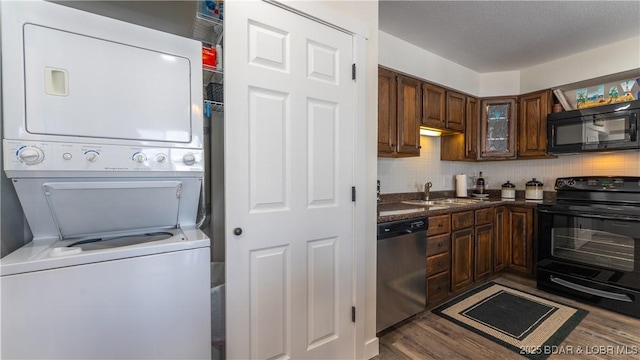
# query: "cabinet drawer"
{"type": "Point", "coordinates": [437, 287]}
{"type": "Point", "coordinates": [438, 244]}
{"type": "Point", "coordinates": [484, 216]}
{"type": "Point", "coordinates": [440, 224]}
{"type": "Point", "coordinates": [462, 220]}
{"type": "Point", "coordinates": [438, 263]}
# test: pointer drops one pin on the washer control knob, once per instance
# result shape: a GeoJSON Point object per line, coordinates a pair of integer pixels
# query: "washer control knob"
{"type": "Point", "coordinates": [67, 156]}
{"type": "Point", "coordinates": [189, 159]}
{"type": "Point", "coordinates": [31, 155]}
{"type": "Point", "coordinates": [139, 158]}
{"type": "Point", "coordinates": [91, 156]}
{"type": "Point", "coordinates": [161, 158]}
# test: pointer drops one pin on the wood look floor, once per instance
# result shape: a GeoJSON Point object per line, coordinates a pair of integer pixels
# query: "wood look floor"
{"type": "Point", "coordinates": [428, 336]}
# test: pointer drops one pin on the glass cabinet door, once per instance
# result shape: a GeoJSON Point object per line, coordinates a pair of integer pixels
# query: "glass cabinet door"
{"type": "Point", "coordinates": [498, 128]}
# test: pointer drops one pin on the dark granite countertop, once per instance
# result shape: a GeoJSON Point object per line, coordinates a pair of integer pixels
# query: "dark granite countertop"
{"type": "Point", "coordinates": [392, 208]}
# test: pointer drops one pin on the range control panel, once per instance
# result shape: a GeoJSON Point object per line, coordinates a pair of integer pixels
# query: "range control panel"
{"type": "Point", "coordinates": [599, 183]}
{"type": "Point", "coordinates": [52, 156]}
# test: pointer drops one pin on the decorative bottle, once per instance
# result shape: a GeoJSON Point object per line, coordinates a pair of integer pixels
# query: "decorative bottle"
{"type": "Point", "coordinates": [480, 184]}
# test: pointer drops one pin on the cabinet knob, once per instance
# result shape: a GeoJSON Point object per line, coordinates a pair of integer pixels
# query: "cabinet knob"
{"type": "Point", "coordinates": [440, 225]}
{"type": "Point", "coordinates": [393, 145]}
{"type": "Point", "coordinates": [440, 244]}
{"type": "Point", "coordinates": [439, 287]}
{"type": "Point", "coordinates": [237, 231]}
{"type": "Point", "coordinates": [439, 263]}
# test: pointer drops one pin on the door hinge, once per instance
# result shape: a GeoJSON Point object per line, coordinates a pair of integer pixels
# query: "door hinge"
{"type": "Point", "coordinates": [353, 193]}
{"type": "Point", "coordinates": [353, 72]}
{"type": "Point", "coordinates": [353, 314]}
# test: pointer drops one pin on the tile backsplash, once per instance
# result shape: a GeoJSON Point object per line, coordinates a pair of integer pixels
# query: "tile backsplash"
{"type": "Point", "coordinates": [410, 174]}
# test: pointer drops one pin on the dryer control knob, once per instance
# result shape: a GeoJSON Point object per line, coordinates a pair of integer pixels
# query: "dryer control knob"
{"type": "Point", "coordinates": [31, 155]}
{"type": "Point", "coordinates": [161, 158]}
{"type": "Point", "coordinates": [140, 158]}
{"type": "Point", "coordinates": [91, 156]}
{"type": "Point", "coordinates": [189, 159]}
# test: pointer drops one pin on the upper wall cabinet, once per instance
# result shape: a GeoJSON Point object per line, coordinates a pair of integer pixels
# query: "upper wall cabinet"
{"type": "Point", "coordinates": [443, 109]}
{"type": "Point", "coordinates": [463, 147]}
{"type": "Point", "coordinates": [399, 112]}
{"type": "Point", "coordinates": [498, 128]}
{"type": "Point", "coordinates": [456, 111]}
{"type": "Point", "coordinates": [532, 124]}
{"type": "Point", "coordinates": [433, 106]}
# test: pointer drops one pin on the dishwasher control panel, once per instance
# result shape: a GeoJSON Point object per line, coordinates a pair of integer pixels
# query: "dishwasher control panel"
{"type": "Point", "coordinates": [400, 227]}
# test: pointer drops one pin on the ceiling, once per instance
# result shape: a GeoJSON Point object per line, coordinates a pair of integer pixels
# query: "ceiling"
{"type": "Point", "coordinates": [493, 36]}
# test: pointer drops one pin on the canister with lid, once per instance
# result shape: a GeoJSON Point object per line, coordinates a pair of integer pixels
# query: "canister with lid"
{"type": "Point", "coordinates": [508, 190]}
{"type": "Point", "coordinates": [534, 190]}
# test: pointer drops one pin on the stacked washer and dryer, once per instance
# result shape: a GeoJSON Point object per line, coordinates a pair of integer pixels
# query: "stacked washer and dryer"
{"type": "Point", "coordinates": [102, 140]}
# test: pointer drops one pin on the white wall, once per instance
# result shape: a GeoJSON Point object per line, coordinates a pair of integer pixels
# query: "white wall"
{"type": "Point", "coordinates": [400, 55]}
{"type": "Point", "coordinates": [605, 60]}
{"type": "Point", "coordinates": [499, 83]}
{"type": "Point", "coordinates": [409, 174]}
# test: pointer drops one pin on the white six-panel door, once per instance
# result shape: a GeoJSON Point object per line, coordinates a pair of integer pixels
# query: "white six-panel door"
{"type": "Point", "coordinates": [289, 129]}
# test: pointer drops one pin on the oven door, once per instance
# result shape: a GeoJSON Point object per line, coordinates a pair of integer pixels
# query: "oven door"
{"type": "Point", "coordinates": [607, 244]}
{"type": "Point", "coordinates": [590, 257]}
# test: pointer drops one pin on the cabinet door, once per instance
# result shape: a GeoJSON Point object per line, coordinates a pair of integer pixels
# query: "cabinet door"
{"type": "Point", "coordinates": [461, 259]}
{"type": "Point", "coordinates": [461, 147]}
{"type": "Point", "coordinates": [501, 239]}
{"type": "Point", "coordinates": [408, 116]}
{"type": "Point", "coordinates": [532, 124]}
{"type": "Point", "coordinates": [498, 128]}
{"type": "Point", "coordinates": [387, 135]}
{"type": "Point", "coordinates": [471, 128]}
{"type": "Point", "coordinates": [433, 106]}
{"type": "Point", "coordinates": [483, 251]}
{"type": "Point", "coordinates": [521, 247]}
{"type": "Point", "coordinates": [456, 110]}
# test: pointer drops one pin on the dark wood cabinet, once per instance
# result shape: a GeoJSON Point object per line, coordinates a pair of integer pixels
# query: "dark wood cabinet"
{"type": "Point", "coordinates": [462, 249]}
{"type": "Point", "coordinates": [461, 258]}
{"type": "Point", "coordinates": [498, 128]}
{"type": "Point", "coordinates": [433, 106]}
{"type": "Point", "coordinates": [483, 252]}
{"type": "Point", "coordinates": [387, 134]}
{"type": "Point", "coordinates": [438, 258]}
{"type": "Point", "coordinates": [532, 124]}
{"type": "Point", "coordinates": [443, 109]}
{"type": "Point", "coordinates": [501, 238]}
{"type": "Point", "coordinates": [463, 147]}
{"type": "Point", "coordinates": [471, 128]}
{"type": "Point", "coordinates": [399, 114]}
{"type": "Point", "coordinates": [483, 244]}
{"type": "Point", "coordinates": [521, 239]}
{"type": "Point", "coordinates": [456, 111]}
{"type": "Point", "coordinates": [409, 103]}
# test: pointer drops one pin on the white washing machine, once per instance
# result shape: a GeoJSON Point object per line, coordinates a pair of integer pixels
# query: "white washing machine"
{"type": "Point", "coordinates": [102, 140]}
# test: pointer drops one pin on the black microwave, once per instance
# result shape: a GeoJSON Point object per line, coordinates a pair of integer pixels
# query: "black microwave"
{"type": "Point", "coordinates": [602, 128]}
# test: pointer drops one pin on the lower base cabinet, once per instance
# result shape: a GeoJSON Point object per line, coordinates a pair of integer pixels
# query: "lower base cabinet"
{"type": "Point", "coordinates": [438, 258]}
{"type": "Point", "coordinates": [521, 240]}
{"type": "Point", "coordinates": [470, 246]}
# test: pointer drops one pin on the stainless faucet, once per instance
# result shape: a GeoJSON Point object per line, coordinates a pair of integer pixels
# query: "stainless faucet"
{"type": "Point", "coordinates": [427, 186]}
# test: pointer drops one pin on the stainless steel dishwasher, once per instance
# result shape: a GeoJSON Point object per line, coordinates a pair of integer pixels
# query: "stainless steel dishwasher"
{"type": "Point", "coordinates": [401, 270]}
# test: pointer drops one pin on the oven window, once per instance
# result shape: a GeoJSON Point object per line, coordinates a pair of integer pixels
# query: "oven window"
{"type": "Point", "coordinates": [600, 242]}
